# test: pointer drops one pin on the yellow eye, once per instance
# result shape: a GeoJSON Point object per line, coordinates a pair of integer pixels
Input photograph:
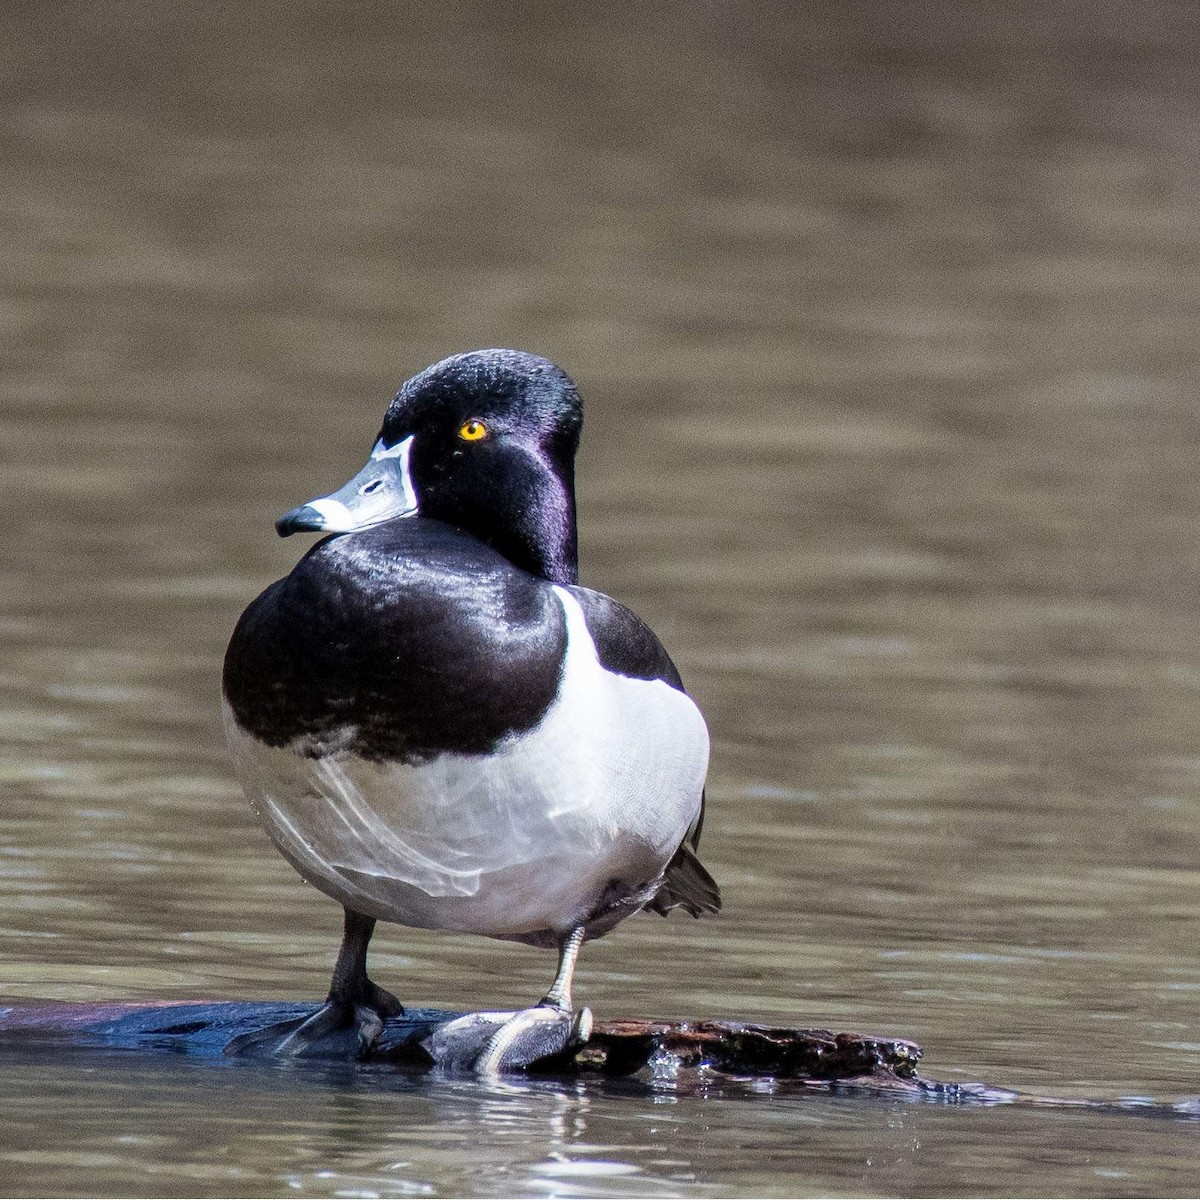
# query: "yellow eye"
{"type": "Point", "coordinates": [473, 430]}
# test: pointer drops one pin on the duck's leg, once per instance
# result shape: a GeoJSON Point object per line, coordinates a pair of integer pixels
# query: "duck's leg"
{"type": "Point", "coordinates": [491, 1042]}
{"type": "Point", "coordinates": [559, 995]}
{"type": "Point", "coordinates": [354, 1002]}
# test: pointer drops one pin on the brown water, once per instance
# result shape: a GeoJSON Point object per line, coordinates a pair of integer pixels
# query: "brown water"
{"type": "Point", "coordinates": [886, 318]}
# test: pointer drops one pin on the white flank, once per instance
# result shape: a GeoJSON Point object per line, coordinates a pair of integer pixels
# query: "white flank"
{"type": "Point", "coordinates": [525, 839]}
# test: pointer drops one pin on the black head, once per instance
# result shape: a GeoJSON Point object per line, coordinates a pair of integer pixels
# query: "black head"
{"type": "Point", "coordinates": [484, 441]}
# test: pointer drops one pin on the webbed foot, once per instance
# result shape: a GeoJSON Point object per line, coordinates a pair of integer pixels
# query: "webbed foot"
{"type": "Point", "coordinates": [339, 1017]}
{"type": "Point", "coordinates": [355, 1005]}
{"type": "Point", "coordinates": [491, 1043]}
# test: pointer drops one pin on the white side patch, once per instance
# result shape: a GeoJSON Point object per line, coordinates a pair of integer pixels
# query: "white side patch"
{"type": "Point", "coordinates": [604, 787]}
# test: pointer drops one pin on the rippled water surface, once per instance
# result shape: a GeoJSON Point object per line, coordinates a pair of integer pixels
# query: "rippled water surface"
{"type": "Point", "coordinates": [886, 318]}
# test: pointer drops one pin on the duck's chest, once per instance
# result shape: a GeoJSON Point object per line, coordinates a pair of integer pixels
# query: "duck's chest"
{"type": "Point", "coordinates": [396, 654]}
{"type": "Point", "coordinates": [601, 787]}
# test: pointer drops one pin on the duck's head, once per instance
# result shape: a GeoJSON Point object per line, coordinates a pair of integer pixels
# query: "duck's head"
{"type": "Point", "coordinates": [484, 441]}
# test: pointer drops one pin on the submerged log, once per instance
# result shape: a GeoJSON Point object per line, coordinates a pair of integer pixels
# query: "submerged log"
{"type": "Point", "coordinates": [699, 1052]}
{"type": "Point", "coordinates": [614, 1048]}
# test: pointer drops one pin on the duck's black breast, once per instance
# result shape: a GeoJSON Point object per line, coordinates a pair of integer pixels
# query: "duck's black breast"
{"type": "Point", "coordinates": [399, 643]}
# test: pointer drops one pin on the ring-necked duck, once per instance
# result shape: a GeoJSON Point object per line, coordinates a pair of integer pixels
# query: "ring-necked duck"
{"type": "Point", "coordinates": [438, 726]}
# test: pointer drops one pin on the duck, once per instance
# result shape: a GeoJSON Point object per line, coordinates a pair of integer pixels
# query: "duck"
{"type": "Point", "coordinates": [440, 728]}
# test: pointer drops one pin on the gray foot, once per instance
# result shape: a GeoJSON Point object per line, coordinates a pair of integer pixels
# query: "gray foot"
{"type": "Point", "coordinates": [490, 1043]}
{"type": "Point", "coordinates": [335, 1019]}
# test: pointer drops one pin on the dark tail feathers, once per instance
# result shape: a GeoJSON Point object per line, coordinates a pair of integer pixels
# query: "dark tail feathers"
{"type": "Point", "coordinates": [687, 885]}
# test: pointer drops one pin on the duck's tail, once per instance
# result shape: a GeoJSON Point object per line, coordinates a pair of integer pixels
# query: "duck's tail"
{"type": "Point", "coordinates": [687, 885]}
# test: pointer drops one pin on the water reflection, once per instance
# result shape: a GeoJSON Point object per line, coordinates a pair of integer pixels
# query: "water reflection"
{"type": "Point", "coordinates": [129, 1125]}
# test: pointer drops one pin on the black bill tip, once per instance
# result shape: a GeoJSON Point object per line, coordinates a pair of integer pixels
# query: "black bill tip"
{"type": "Point", "coordinates": [304, 519]}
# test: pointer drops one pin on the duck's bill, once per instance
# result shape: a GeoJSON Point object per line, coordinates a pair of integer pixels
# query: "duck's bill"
{"type": "Point", "coordinates": [381, 491]}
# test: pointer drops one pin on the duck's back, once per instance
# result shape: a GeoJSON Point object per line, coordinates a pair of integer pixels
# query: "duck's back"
{"type": "Point", "coordinates": [399, 643]}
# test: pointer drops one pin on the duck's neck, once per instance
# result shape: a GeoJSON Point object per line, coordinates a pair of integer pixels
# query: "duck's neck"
{"type": "Point", "coordinates": [524, 510]}
{"type": "Point", "coordinates": [539, 535]}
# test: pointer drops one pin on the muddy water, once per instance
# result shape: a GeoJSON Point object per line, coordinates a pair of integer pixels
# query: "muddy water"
{"type": "Point", "coordinates": [886, 320]}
